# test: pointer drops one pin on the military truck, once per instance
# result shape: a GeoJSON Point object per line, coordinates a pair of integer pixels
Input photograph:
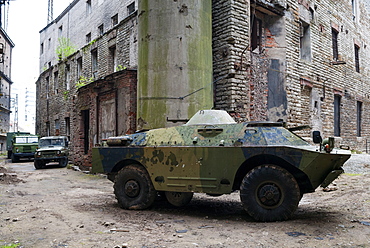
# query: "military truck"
{"type": "Point", "coordinates": [9, 143]}
{"type": "Point", "coordinates": [52, 149]}
{"type": "Point", "coordinates": [23, 146]}
{"type": "Point", "coordinates": [268, 164]}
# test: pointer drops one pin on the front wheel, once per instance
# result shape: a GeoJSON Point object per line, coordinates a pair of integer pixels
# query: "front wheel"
{"type": "Point", "coordinates": [269, 193]}
{"type": "Point", "coordinates": [63, 162]}
{"type": "Point", "coordinates": [39, 164]}
{"type": "Point", "coordinates": [133, 188]}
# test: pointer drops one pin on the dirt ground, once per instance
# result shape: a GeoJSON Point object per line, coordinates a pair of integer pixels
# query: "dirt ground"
{"type": "Point", "coordinates": [60, 207]}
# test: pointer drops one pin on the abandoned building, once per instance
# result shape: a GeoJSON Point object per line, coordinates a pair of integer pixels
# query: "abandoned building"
{"type": "Point", "coordinates": [6, 47]}
{"type": "Point", "coordinates": [303, 62]}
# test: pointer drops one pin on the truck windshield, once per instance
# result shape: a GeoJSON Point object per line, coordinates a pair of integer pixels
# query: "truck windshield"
{"type": "Point", "coordinates": [26, 140]}
{"type": "Point", "coordinates": [51, 142]}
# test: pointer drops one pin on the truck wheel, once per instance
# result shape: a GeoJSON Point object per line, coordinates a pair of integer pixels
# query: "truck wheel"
{"type": "Point", "coordinates": [269, 193]}
{"type": "Point", "coordinates": [39, 164]}
{"type": "Point", "coordinates": [133, 188]}
{"type": "Point", "coordinates": [63, 162]}
{"type": "Point", "coordinates": [178, 199]}
{"type": "Point", "coordinates": [14, 158]}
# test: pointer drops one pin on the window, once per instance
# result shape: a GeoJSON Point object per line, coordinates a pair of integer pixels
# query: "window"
{"type": "Point", "coordinates": [131, 8]}
{"type": "Point", "coordinates": [357, 58]}
{"type": "Point", "coordinates": [114, 20]}
{"type": "Point", "coordinates": [94, 63]}
{"type": "Point", "coordinates": [60, 31]}
{"type": "Point", "coordinates": [57, 127]}
{"type": "Point", "coordinates": [68, 126]}
{"type": "Point", "coordinates": [67, 76]}
{"type": "Point", "coordinates": [49, 43]}
{"type": "Point", "coordinates": [42, 48]}
{"type": "Point", "coordinates": [88, 7]}
{"type": "Point", "coordinates": [79, 68]}
{"type": "Point", "coordinates": [101, 30]}
{"type": "Point", "coordinates": [256, 35]}
{"type": "Point", "coordinates": [47, 87]}
{"type": "Point", "coordinates": [56, 84]}
{"type": "Point", "coordinates": [88, 38]}
{"type": "Point", "coordinates": [334, 37]}
{"type": "Point", "coordinates": [337, 100]}
{"type": "Point", "coordinates": [113, 59]}
{"type": "Point", "coordinates": [305, 41]}
{"type": "Point", "coordinates": [359, 118]}
{"type": "Point", "coordinates": [86, 129]}
{"type": "Point", "coordinates": [354, 9]}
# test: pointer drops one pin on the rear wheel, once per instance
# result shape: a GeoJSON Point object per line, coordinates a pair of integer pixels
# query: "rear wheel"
{"type": "Point", "coordinates": [178, 199]}
{"type": "Point", "coordinates": [133, 188]}
{"type": "Point", "coordinates": [269, 193]}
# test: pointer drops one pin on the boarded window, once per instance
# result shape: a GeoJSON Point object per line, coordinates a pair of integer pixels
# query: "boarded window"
{"type": "Point", "coordinates": [107, 115]}
{"type": "Point", "coordinates": [334, 37]}
{"type": "Point", "coordinates": [337, 102]}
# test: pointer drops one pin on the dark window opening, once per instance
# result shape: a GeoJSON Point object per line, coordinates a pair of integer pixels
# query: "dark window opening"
{"type": "Point", "coordinates": [88, 38]}
{"type": "Point", "coordinates": [101, 29]}
{"type": "Point", "coordinates": [86, 129]}
{"type": "Point", "coordinates": [334, 37]}
{"type": "Point", "coordinates": [88, 7]}
{"type": "Point", "coordinates": [337, 102]}
{"type": "Point", "coordinates": [305, 41]}
{"type": "Point", "coordinates": [359, 118]}
{"type": "Point", "coordinates": [115, 20]}
{"type": "Point", "coordinates": [79, 68]}
{"type": "Point", "coordinates": [256, 35]}
{"type": "Point", "coordinates": [94, 63]}
{"type": "Point", "coordinates": [68, 126]}
{"type": "Point", "coordinates": [131, 8]}
{"type": "Point", "coordinates": [113, 59]}
{"type": "Point", "coordinates": [357, 58]}
{"type": "Point", "coordinates": [56, 82]}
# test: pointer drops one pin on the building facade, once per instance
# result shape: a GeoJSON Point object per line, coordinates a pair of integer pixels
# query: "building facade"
{"type": "Point", "coordinates": [6, 46]}
{"type": "Point", "coordinates": [302, 62]}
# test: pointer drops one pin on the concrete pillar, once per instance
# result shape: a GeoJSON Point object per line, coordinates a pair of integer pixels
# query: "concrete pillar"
{"type": "Point", "coordinates": [175, 61]}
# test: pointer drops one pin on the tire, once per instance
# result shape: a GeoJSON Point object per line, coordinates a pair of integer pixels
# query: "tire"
{"type": "Point", "coordinates": [178, 199]}
{"type": "Point", "coordinates": [269, 193]}
{"type": "Point", "coordinates": [39, 164]}
{"type": "Point", "coordinates": [133, 188]}
{"type": "Point", "coordinates": [63, 162]}
{"type": "Point", "coordinates": [14, 158]}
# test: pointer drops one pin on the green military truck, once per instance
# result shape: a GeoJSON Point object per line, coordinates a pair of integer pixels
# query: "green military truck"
{"type": "Point", "coordinates": [268, 164]}
{"type": "Point", "coordinates": [21, 145]}
{"type": "Point", "coordinates": [52, 149]}
{"type": "Point", "coordinates": [9, 143]}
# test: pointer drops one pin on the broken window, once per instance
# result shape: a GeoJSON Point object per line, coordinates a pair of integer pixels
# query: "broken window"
{"type": "Point", "coordinates": [256, 35]}
{"type": "Point", "coordinates": [114, 20]}
{"type": "Point", "coordinates": [56, 84]}
{"type": "Point", "coordinates": [305, 41]}
{"type": "Point", "coordinates": [67, 75]}
{"type": "Point", "coordinates": [60, 31]}
{"type": "Point", "coordinates": [101, 29]}
{"type": "Point", "coordinates": [334, 37]}
{"type": "Point", "coordinates": [359, 118]}
{"type": "Point", "coordinates": [94, 63]}
{"type": "Point", "coordinates": [47, 87]}
{"type": "Point", "coordinates": [337, 102]}
{"type": "Point", "coordinates": [357, 58]}
{"type": "Point", "coordinates": [79, 68]}
{"type": "Point", "coordinates": [88, 38]}
{"type": "Point", "coordinates": [88, 7]}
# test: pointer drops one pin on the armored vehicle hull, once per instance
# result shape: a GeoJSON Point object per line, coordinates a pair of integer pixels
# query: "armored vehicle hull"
{"type": "Point", "coordinates": [270, 166]}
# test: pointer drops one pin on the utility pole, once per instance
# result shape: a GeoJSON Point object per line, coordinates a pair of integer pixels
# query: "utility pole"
{"type": "Point", "coordinates": [50, 11]}
{"type": "Point", "coordinates": [14, 101]}
{"type": "Point", "coordinates": [5, 17]}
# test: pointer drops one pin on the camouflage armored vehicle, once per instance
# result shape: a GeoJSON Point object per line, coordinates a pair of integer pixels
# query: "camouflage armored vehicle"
{"type": "Point", "coordinates": [23, 146]}
{"type": "Point", "coordinates": [52, 149]}
{"type": "Point", "coordinates": [270, 166]}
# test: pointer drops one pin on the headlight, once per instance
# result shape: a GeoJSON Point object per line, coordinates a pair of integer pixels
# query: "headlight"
{"type": "Point", "coordinates": [58, 152]}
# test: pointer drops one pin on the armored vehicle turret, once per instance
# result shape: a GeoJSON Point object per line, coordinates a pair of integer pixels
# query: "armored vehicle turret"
{"type": "Point", "coordinates": [269, 165]}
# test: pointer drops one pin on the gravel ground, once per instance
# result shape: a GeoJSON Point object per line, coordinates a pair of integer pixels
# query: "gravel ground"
{"type": "Point", "coordinates": [358, 164]}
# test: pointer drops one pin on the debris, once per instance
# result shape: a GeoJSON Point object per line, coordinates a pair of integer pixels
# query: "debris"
{"type": "Point", "coordinates": [181, 231]}
{"type": "Point", "coordinates": [118, 230]}
{"type": "Point", "coordinates": [328, 189]}
{"type": "Point", "coordinates": [366, 223]}
{"type": "Point", "coordinates": [205, 227]}
{"type": "Point", "coordinates": [295, 234]}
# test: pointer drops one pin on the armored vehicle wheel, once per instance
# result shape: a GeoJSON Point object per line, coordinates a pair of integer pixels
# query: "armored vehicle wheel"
{"type": "Point", "coordinates": [63, 162]}
{"type": "Point", "coordinates": [179, 199]}
{"type": "Point", "coordinates": [39, 164]}
{"type": "Point", "coordinates": [133, 188]}
{"type": "Point", "coordinates": [269, 193]}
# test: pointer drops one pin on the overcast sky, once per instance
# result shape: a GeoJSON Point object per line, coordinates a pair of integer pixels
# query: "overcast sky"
{"type": "Point", "coordinates": [24, 20]}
